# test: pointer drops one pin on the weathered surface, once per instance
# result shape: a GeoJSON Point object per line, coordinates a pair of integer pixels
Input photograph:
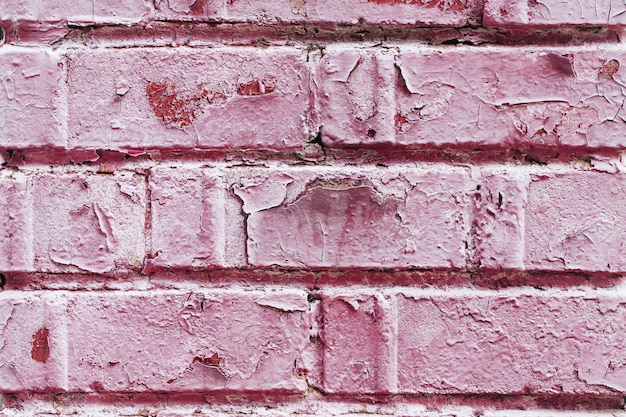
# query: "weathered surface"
{"type": "Point", "coordinates": [188, 341]}
{"type": "Point", "coordinates": [29, 98]}
{"type": "Point", "coordinates": [187, 218]}
{"type": "Point", "coordinates": [354, 91]}
{"type": "Point", "coordinates": [353, 224]}
{"type": "Point", "coordinates": [402, 12]}
{"type": "Point", "coordinates": [76, 12]}
{"type": "Point", "coordinates": [500, 220]}
{"type": "Point", "coordinates": [32, 342]}
{"type": "Point", "coordinates": [507, 97]}
{"type": "Point", "coordinates": [89, 223]}
{"type": "Point", "coordinates": [576, 221]}
{"type": "Point", "coordinates": [475, 342]}
{"type": "Point", "coordinates": [15, 251]}
{"type": "Point", "coordinates": [223, 98]}
{"type": "Point", "coordinates": [359, 343]}
{"type": "Point", "coordinates": [505, 13]}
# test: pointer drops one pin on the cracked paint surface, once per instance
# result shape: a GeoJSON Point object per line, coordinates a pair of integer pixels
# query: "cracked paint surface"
{"type": "Point", "coordinates": [412, 341]}
{"type": "Point", "coordinates": [187, 228]}
{"type": "Point", "coordinates": [422, 12]}
{"type": "Point", "coordinates": [356, 81]}
{"type": "Point", "coordinates": [358, 344]}
{"type": "Point", "coordinates": [220, 98]}
{"type": "Point", "coordinates": [502, 97]}
{"type": "Point", "coordinates": [574, 223]}
{"type": "Point", "coordinates": [90, 224]}
{"type": "Point", "coordinates": [14, 255]}
{"type": "Point", "coordinates": [76, 13]}
{"type": "Point", "coordinates": [29, 97]}
{"type": "Point", "coordinates": [32, 338]}
{"type": "Point", "coordinates": [187, 341]}
{"type": "Point", "coordinates": [564, 343]}
{"type": "Point", "coordinates": [554, 12]}
{"type": "Point", "coordinates": [332, 223]}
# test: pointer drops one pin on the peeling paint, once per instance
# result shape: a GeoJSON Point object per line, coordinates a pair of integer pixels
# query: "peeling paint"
{"type": "Point", "coordinates": [283, 301]}
{"type": "Point", "coordinates": [89, 240]}
{"type": "Point", "coordinates": [174, 110]}
{"type": "Point", "coordinates": [454, 5]}
{"type": "Point", "coordinates": [264, 194]}
{"type": "Point", "coordinates": [257, 87]}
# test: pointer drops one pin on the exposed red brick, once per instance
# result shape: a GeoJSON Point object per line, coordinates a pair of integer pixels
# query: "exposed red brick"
{"type": "Point", "coordinates": [41, 349]}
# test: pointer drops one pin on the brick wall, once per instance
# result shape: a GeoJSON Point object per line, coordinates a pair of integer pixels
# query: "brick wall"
{"type": "Point", "coordinates": [312, 207]}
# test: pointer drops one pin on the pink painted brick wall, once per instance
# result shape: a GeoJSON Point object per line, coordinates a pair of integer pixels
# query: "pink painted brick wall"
{"type": "Point", "coordinates": [299, 207]}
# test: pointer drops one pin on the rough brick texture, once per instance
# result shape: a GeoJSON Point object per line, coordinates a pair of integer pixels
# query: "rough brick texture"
{"type": "Point", "coordinates": [312, 208]}
{"type": "Point", "coordinates": [554, 13]}
{"type": "Point", "coordinates": [430, 342]}
{"type": "Point", "coordinates": [246, 98]}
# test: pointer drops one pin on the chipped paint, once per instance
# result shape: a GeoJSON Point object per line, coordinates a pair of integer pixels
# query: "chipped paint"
{"type": "Point", "coordinates": [41, 345]}
{"type": "Point", "coordinates": [454, 5]}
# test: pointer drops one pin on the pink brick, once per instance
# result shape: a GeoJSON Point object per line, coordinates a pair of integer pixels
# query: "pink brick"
{"type": "Point", "coordinates": [504, 97]}
{"type": "Point", "coordinates": [222, 98]}
{"type": "Point", "coordinates": [505, 13]}
{"type": "Point", "coordinates": [360, 219]}
{"type": "Point", "coordinates": [358, 338]}
{"type": "Point", "coordinates": [510, 343]}
{"type": "Point", "coordinates": [354, 90]}
{"type": "Point", "coordinates": [76, 12]}
{"type": "Point", "coordinates": [463, 97]}
{"type": "Point", "coordinates": [187, 218]}
{"type": "Point", "coordinates": [88, 222]}
{"type": "Point", "coordinates": [576, 221]}
{"type": "Point", "coordinates": [500, 219]}
{"type": "Point", "coordinates": [230, 341]}
{"type": "Point", "coordinates": [29, 103]}
{"type": "Point", "coordinates": [403, 12]}
{"type": "Point", "coordinates": [33, 337]}
{"type": "Point", "coordinates": [15, 251]}
{"type": "Point", "coordinates": [473, 342]}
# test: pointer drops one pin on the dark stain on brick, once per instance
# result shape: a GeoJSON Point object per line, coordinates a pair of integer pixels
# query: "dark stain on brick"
{"type": "Point", "coordinates": [257, 87]}
{"type": "Point", "coordinates": [41, 349]}
{"type": "Point", "coordinates": [97, 386]}
{"type": "Point", "coordinates": [562, 63]}
{"type": "Point", "coordinates": [197, 8]}
{"type": "Point", "coordinates": [610, 67]}
{"type": "Point", "coordinates": [453, 5]}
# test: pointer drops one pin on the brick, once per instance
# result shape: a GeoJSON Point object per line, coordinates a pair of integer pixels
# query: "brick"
{"type": "Point", "coordinates": [172, 341]}
{"type": "Point", "coordinates": [77, 12]}
{"type": "Point", "coordinates": [358, 337]}
{"type": "Point", "coordinates": [359, 219]}
{"type": "Point", "coordinates": [187, 218]}
{"type": "Point", "coordinates": [88, 222]}
{"type": "Point", "coordinates": [29, 104]}
{"type": "Point", "coordinates": [354, 90]}
{"type": "Point", "coordinates": [473, 342]}
{"type": "Point", "coordinates": [403, 12]}
{"type": "Point", "coordinates": [222, 98]}
{"type": "Point", "coordinates": [510, 344]}
{"type": "Point", "coordinates": [33, 340]}
{"type": "Point", "coordinates": [505, 13]}
{"type": "Point", "coordinates": [466, 98]}
{"type": "Point", "coordinates": [509, 97]}
{"type": "Point", "coordinates": [15, 250]}
{"type": "Point", "coordinates": [575, 221]}
{"type": "Point", "coordinates": [500, 219]}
